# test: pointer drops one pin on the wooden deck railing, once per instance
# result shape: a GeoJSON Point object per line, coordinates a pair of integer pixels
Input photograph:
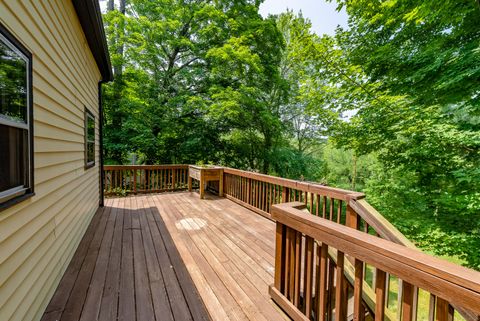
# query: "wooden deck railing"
{"type": "Point", "coordinates": [260, 193]}
{"type": "Point", "coordinates": [127, 179]}
{"type": "Point", "coordinates": [314, 256]}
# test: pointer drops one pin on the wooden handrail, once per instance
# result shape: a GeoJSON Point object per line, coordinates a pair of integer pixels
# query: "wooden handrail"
{"type": "Point", "coordinates": [452, 284]}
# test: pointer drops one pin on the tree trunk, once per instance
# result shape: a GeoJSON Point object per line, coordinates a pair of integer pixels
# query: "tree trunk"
{"type": "Point", "coordinates": [117, 113]}
{"type": "Point", "coordinates": [266, 152]}
{"type": "Point", "coordinates": [118, 68]}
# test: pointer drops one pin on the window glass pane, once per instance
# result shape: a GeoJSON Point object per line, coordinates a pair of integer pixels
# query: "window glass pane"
{"type": "Point", "coordinates": [13, 84]}
{"type": "Point", "coordinates": [13, 161]}
{"type": "Point", "coordinates": [90, 129]}
{"type": "Point", "coordinates": [90, 152]}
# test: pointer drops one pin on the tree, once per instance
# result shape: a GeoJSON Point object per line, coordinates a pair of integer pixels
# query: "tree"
{"type": "Point", "coordinates": [418, 108]}
{"type": "Point", "coordinates": [188, 62]}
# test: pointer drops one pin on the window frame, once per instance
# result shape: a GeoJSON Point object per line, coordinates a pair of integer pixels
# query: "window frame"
{"type": "Point", "coordinates": [18, 194]}
{"type": "Point", "coordinates": [88, 114]}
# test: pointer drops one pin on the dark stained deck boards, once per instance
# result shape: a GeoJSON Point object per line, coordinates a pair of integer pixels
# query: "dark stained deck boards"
{"type": "Point", "coordinates": [170, 256]}
{"type": "Point", "coordinates": [126, 268]}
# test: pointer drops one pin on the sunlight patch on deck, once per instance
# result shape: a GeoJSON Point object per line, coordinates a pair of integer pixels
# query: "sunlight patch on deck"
{"type": "Point", "coordinates": [191, 224]}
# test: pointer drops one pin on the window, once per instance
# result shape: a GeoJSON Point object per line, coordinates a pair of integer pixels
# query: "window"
{"type": "Point", "coordinates": [89, 139]}
{"type": "Point", "coordinates": [16, 121]}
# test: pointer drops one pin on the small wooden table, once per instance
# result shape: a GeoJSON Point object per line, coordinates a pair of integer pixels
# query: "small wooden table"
{"type": "Point", "coordinates": [205, 174]}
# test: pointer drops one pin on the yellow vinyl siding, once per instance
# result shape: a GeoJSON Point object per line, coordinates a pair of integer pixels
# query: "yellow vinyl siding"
{"type": "Point", "coordinates": [39, 236]}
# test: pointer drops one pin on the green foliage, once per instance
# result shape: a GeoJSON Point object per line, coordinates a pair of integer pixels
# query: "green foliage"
{"type": "Point", "coordinates": [414, 69]}
{"type": "Point", "coordinates": [390, 106]}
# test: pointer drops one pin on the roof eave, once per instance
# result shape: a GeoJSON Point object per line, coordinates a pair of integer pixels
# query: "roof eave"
{"type": "Point", "coordinates": [89, 14]}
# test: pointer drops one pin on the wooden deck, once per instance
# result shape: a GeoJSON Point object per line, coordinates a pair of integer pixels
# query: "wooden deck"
{"type": "Point", "coordinates": [170, 256]}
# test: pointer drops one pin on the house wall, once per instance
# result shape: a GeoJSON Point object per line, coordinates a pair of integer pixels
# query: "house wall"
{"type": "Point", "coordinates": [38, 237]}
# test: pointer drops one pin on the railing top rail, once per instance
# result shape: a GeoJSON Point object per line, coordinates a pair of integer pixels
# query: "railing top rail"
{"type": "Point", "coordinates": [299, 185]}
{"type": "Point", "coordinates": [127, 167]}
{"type": "Point", "coordinates": [459, 285]}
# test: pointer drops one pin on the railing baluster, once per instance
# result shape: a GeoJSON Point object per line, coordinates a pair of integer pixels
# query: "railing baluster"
{"type": "Point", "coordinates": [339, 211]}
{"type": "Point", "coordinates": [324, 207]}
{"type": "Point", "coordinates": [288, 244]}
{"type": "Point", "coordinates": [444, 310]}
{"type": "Point", "coordinates": [322, 296]}
{"type": "Point", "coordinates": [312, 210]}
{"type": "Point", "coordinates": [358, 309]}
{"type": "Point", "coordinates": [134, 181]}
{"type": "Point", "coordinates": [431, 307]}
{"type": "Point", "coordinates": [291, 286]}
{"type": "Point", "coordinates": [298, 257]}
{"type": "Point", "coordinates": [340, 289]}
{"type": "Point", "coordinates": [331, 209]}
{"type": "Point", "coordinates": [308, 276]}
{"type": "Point", "coordinates": [380, 288]}
{"type": "Point", "coordinates": [331, 292]}
{"type": "Point", "coordinates": [262, 198]}
{"type": "Point", "coordinates": [387, 291]}
{"type": "Point", "coordinates": [257, 191]}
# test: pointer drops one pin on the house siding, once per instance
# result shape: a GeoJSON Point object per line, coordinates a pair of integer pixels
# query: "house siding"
{"type": "Point", "coordinates": [39, 236]}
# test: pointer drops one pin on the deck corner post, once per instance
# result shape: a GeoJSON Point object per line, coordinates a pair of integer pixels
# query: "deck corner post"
{"type": "Point", "coordinates": [202, 185]}
{"type": "Point", "coordinates": [220, 183]}
{"type": "Point", "coordinates": [279, 256]}
{"type": "Point", "coordinates": [352, 217]}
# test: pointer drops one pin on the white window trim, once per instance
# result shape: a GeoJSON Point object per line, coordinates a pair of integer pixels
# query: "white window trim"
{"type": "Point", "coordinates": [17, 191]}
{"type": "Point", "coordinates": [89, 115]}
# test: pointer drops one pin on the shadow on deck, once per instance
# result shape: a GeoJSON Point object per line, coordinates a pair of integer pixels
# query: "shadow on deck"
{"type": "Point", "coordinates": [170, 256]}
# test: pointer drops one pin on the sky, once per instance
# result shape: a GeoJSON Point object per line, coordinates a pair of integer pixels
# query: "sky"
{"type": "Point", "coordinates": [322, 14]}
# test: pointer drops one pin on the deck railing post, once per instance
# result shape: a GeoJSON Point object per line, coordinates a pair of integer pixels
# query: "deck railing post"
{"type": "Point", "coordinates": [134, 181]}
{"type": "Point", "coordinates": [352, 216]}
{"type": "Point", "coordinates": [220, 184]}
{"type": "Point", "coordinates": [279, 257]}
{"type": "Point", "coordinates": [173, 178]}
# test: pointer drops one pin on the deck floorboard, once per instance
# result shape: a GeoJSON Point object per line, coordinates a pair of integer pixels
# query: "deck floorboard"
{"type": "Point", "coordinates": [170, 256]}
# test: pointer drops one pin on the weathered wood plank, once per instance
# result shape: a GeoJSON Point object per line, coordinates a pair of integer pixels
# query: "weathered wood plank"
{"type": "Point", "coordinates": [59, 300]}
{"type": "Point", "coordinates": [126, 300]}
{"type": "Point", "coordinates": [159, 280]}
{"type": "Point", "coordinates": [109, 307]}
{"type": "Point", "coordinates": [147, 259]}
{"type": "Point", "coordinates": [93, 300]}
{"type": "Point", "coordinates": [77, 297]}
